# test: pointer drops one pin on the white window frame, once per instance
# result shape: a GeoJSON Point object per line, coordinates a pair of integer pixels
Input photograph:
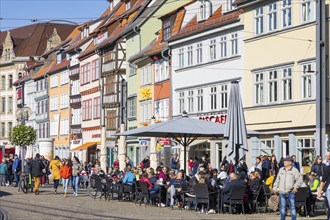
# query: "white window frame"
{"type": "Point", "coordinates": [200, 100]}
{"type": "Point", "coordinates": [259, 88]}
{"type": "Point", "coordinates": [272, 16]}
{"type": "Point", "coordinates": [146, 75]}
{"type": "Point", "coordinates": [146, 111]}
{"type": "Point", "coordinates": [223, 46]}
{"type": "Point", "coordinates": [307, 10]}
{"type": "Point", "coordinates": [161, 70]}
{"type": "Point", "coordinates": [223, 104]}
{"type": "Point", "coordinates": [64, 127]}
{"type": "Point", "coordinates": [131, 107]}
{"type": "Point", "coordinates": [181, 57]}
{"type": "Point", "coordinates": [75, 87]}
{"type": "Point", "coordinates": [273, 91]}
{"type": "Point", "coordinates": [234, 44]}
{"type": "Point", "coordinates": [53, 103]}
{"type": "Point", "coordinates": [181, 106]}
{"type": "Point", "coordinates": [64, 77]}
{"type": "Point", "coordinates": [190, 101]}
{"type": "Point", "coordinates": [76, 116]}
{"type": "Point", "coordinates": [54, 81]}
{"type": "Point", "coordinates": [286, 13]}
{"type": "Point", "coordinates": [307, 80]}
{"type": "Point", "coordinates": [64, 101]}
{"type": "Point", "coordinates": [199, 53]}
{"type": "Point", "coordinates": [259, 20]}
{"type": "Point", "coordinates": [190, 55]}
{"type": "Point", "coordinates": [213, 49]}
{"type": "Point", "coordinates": [213, 98]}
{"type": "Point", "coordinates": [161, 109]}
{"type": "Point", "coordinates": [287, 84]}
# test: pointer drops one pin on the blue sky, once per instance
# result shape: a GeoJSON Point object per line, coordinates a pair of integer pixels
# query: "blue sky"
{"type": "Point", "coordinates": [16, 13]}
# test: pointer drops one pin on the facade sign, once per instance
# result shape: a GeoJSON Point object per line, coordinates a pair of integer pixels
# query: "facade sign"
{"type": "Point", "coordinates": [164, 141]}
{"type": "Point", "coordinates": [215, 118]}
{"type": "Point", "coordinates": [143, 143]}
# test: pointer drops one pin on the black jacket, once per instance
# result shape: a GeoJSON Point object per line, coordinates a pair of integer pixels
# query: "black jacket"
{"type": "Point", "coordinates": [36, 167]}
{"type": "Point", "coordinates": [228, 187]}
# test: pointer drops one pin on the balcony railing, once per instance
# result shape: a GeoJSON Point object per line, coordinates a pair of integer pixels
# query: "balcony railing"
{"type": "Point", "coordinates": [42, 117]}
{"type": "Point", "coordinates": [109, 66]}
{"type": "Point", "coordinates": [75, 101]}
{"type": "Point", "coordinates": [74, 73]}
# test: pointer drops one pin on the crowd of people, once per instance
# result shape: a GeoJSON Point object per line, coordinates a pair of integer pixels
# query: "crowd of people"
{"type": "Point", "coordinates": [283, 178]}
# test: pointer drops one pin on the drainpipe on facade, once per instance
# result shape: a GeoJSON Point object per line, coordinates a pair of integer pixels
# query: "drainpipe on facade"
{"type": "Point", "coordinates": [153, 149]}
{"type": "Point", "coordinates": [103, 156]}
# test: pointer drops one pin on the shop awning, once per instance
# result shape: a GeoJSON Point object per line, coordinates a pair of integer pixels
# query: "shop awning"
{"type": "Point", "coordinates": [85, 146]}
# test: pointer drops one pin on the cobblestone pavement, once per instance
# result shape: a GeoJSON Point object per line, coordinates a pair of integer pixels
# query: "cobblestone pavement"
{"type": "Point", "coordinates": [48, 206]}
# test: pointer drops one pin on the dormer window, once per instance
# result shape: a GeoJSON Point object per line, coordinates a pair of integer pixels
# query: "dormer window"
{"type": "Point", "coordinates": [7, 55]}
{"type": "Point", "coordinates": [205, 10]}
{"type": "Point", "coordinates": [128, 5]}
{"type": "Point", "coordinates": [167, 29]}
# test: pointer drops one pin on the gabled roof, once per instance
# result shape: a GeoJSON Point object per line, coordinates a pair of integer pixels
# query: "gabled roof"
{"type": "Point", "coordinates": [89, 50]}
{"type": "Point", "coordinates": [31, 40]}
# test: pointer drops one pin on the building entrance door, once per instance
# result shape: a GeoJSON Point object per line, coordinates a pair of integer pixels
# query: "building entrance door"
{"type": "Point", "coordinates": [285, 148]}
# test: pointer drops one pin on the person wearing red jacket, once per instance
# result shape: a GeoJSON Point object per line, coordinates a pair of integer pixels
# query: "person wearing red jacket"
{"type": "Point", "coordinates": [65, 173]}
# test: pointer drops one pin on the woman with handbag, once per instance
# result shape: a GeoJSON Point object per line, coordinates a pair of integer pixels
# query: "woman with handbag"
{"type": "Point", "coordinates": [55, 166]}
{"type": "Point", "coordinates": [76, 169]}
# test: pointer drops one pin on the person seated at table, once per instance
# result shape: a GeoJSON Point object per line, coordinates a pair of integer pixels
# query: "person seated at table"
{"type": "Point", "coordinates": [161, 176]}
{"type": "Point", "coordinates": [222, 175]}
{"type": "Point", "coordinates": [151, 175]}
{"type": "Point", "coordinates": [253, 185]}
{"type": "Point", "coordinates": [192, 182]}
{"type": "Point", "coordinates": [211, 184]}
{"type": "Point", "coordinates": [129, 177]}
{"type": "Point", "coordinates": [241, 173]}
{"type": "Point", "coordinates": [233, 181]}
{"type": "Point", "coordinates": [270, 180]}
{"type": "Point", "coordinates": [175, 190]}
{"type": "Point", "coordinates": [135, 171]}
{"type": "Point", "coordinates": [152, 189]}
{"type": "Point", "coordinates": [312, 184]}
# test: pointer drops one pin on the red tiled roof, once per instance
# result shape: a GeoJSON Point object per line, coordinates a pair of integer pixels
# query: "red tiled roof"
{"type": "Point", "coordinates": [43, 70]}
{"type": "Point", "coordinates": [90, 49]}
{"type": "Point", "coordinates": [60, 66]}
{"type": "Point", "coordinates": [213, 21]}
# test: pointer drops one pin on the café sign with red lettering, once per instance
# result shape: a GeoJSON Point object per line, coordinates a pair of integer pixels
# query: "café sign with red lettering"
{"type": "Point", "coordinates": [215, 118]}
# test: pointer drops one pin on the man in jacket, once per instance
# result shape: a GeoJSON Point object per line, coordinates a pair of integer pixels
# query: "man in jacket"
{"type": "Point", "coordinates": [287, 183]}
{"type": "Point", "coordinates": [16, 169]}
{"type": "Point", "coordinates": [325, 183]}
{"type": "Point", "coordinates": [234, 181]}
{"type": "Point", "coordinates": [36, 170]}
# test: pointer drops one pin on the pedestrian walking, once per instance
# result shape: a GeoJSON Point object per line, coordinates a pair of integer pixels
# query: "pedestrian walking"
{"type": "Point", "coordinates": [287, 183]}
{"type": "Point", "coordinates": [16, 169]}
{"type": "Point", "coordinates": [3, 172]}
{"type": "Point", "coordinates": [37, 167]}
{"type": "Point", "coordinates": [65, 173]}
{"type": "Point", "coordinates": [76, 169]}
{"type": "Point", "coordinates": [175, 163]}
{"type": "Point", "coordinates": [55, 166]}
{"type": "Point", "coordinates": [325, 183]}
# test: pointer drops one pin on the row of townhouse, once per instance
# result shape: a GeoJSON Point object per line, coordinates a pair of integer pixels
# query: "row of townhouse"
{"type": "Point", "coordinates": [145, 60]}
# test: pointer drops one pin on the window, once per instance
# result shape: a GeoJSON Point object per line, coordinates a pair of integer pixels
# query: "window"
{"type": "Point", "coordinates": [64, 101]}
{"type": "Point", "coordinates": [64, 126]}
{"type": "Point", "coordinates": [74, 60]}
{"type": "Point", "coordinates": [76, 116]}
{"type": "Point", "coordinates": [200, 100]}
{"type": "Point", "coordinates": [145, 111]}
{"type": "Point", "coordinates": [286, 13]}
{"type": "Point", "coordinates": [58, 58]}
{"type": "Point", "coordinates": [10, 81]}
{"type": "Point", "coordinates": [190, 55]}
{"type": "Point", "coordinates": [7, 55]}
{"type": "Point", "coordinates": [259, 20]}
{"type": "Point", "coordinates": [85, 73]}
{"type": "Point", "coordinates": [128, 5]}
{"type": "Point", "coordinates": [223, 96]}
{"type": "Point", "coordinates": [97, 108]}
{"type": "Point", "coordinates": [3, 104]}
{"type": "Point", "coordinates": [190, 101]}
{"type": "Point", "coordinates": [266, 147]}
{"type": "Point", "coordinates": [3, 82]}
{"type": "Point", "coordinates": [10, 104]}
{"type": "Point", "coordinates": [223, 47]}
{"type": "Point", "coordinates": [287, 84]}
{"type": "Point", "coordinates": [112, 119]}
{"type": "Point", "coordinates": [199, 52]}
{"type": "Point", "coordinates": [307, 80]}
{"type": "Point", "coordinates": [10, 127]}
{"type": "Point", "coordinates": [234, 44]}
{"type": "Point", "coordinates": [204, 10]}
{"type": "Point", "coordinates": [75, 88]}
{"type": "Point", "coordinates": [162, 71]}
{"type": "Point", "coordinates": [306, 151]}
{"type": "Point", "coordinates": [53, 103]}
{"type": "Point", "coordinates": [131, 106]}
{"type": "Point", "coordinates": [87, 110]}
{"type": "Point", "coordinates": [64, 77]}
{"type": "Point", "coordinates": [53, 81]}
{"type": "Point", "coordinates": [259, 88]}
{"type": "Point", "coordinates": [167, 29]}
{"type": "Point", "coordinates": [272, 16]}
{"type": "Point", "coordinates": [272, 86]}
{"type": "Point", "coordinates": [213, 49]}
{"type": "Point", "coordinates": [181, 57]}
{"type": "Point", "coordinates": [132, 69]}
{"type": "Point", "coordinates": [161, 109]}
{"type": "Point", "coordinates": [3, 129]}
{"type": "Point", "coordinates": [307, 10]}
{"type": "Point", "coordinates": [54, 128]}
{"type": "Point", "coordinates": [95, 70]}
{"type": "Point", "coordinates": [213, 98]}
{"type": "Point", "coordinates": [181, 102]}
{"type": "Point", "coordinates": [145, 75]}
